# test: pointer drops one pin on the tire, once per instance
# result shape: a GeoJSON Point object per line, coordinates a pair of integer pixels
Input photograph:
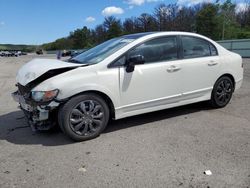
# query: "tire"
{"type": "Point", "coordinates": [59, 119]}
{"type": "Point", "coordinates": [84, 117]}
{"type": "Point", "coordinates": [222, 92]}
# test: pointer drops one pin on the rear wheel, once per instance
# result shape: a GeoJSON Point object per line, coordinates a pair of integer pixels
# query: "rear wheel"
{"type": "Point", "coordinates": [222, 92]}
{"type": "Point", "coordinates": [84, 117]}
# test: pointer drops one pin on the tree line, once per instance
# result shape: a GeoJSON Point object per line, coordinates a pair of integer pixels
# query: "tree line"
{"type": "Point", "coordinates": [17, 47]}
{"type": "Point", "coordinates": [214, 20]}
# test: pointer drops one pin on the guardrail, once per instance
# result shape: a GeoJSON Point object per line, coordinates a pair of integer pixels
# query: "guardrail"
{"type": "Point", "coordinates": [240, 46]}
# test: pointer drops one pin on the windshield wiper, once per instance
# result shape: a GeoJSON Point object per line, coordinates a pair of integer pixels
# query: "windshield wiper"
{"type": "Point", "coordinates": [79, 62]}
{"type": "Point", "coordinates": [74, 61]}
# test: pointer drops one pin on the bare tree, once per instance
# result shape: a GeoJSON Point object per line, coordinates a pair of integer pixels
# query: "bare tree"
{"type": "Point", "coordinates": [147, 22]}
{"type": "Point", "coordinates": [161, 14]}
{"type": "Point", "coordinates": [129, 25]}
{"type": "Point", "coordinates": [243, 14]}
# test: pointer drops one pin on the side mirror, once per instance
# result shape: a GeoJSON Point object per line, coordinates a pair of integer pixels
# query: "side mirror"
{"type": "Point", "coordinates": [134, 60]}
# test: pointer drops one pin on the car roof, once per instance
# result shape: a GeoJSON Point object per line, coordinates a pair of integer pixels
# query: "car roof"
{"type": "Point", "coordinates": [137, 35]}
{"type": "Point", "coordinates": [147, 35]}
{"type": "Point", "coordinates": [160, 33]}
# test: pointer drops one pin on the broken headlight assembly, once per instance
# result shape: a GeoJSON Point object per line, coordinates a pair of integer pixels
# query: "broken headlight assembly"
{"type": "Point", "coordinates": [44, 96]}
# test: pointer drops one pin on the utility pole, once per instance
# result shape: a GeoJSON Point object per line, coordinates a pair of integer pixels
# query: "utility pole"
{"type": "Point", "coordinates": [223, 26]}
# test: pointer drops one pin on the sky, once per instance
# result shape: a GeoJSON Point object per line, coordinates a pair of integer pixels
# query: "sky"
{"type": "Point", "coordinates": [41, 21]}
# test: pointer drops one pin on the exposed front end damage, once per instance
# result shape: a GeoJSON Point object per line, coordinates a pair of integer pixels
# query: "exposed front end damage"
{"type": "Point", "coordinates": [39, 116]}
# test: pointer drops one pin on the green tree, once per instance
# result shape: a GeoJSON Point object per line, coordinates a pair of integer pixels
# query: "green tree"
{"type": "Point", "coordinates": [207, 21]}
{"type": "Point", "coordinates": [228, 20]}
{"type": "Point", "coordinates": [81, 38]}
{"type": "Point", "coordinates": [100, 33]}
{"type": "Point", "coordinates": [185, 19]}
{"type": "Point", "coordinates": [113, 27]}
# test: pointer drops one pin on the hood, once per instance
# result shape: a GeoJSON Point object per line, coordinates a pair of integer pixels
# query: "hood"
{"type": "Point", "coordinates": [38, 67]}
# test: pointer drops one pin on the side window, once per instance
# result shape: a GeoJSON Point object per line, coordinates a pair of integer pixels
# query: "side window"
{"type": "Point", "coordinates": [157, 50]}
{"type": "Point", "coordinates": [213, 50]}
{"type": "Point", "coordinates": [195, 47]}
{"type": "Point", "coordinates": [120, 62]}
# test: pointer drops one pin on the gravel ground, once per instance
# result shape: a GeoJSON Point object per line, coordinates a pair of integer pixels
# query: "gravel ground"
{"type": "Point", "coordinates": [169, 148]}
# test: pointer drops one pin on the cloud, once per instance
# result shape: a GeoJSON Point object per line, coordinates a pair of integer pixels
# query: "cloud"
{"type": "Point", "coordinates": [135, 2]}
{"type": "Point", "coordinates": [108, 11]}
{"type": "Point", "coordinates": [191, 2]}
{"type": "Point", "coordinates": [242, 7]}
{"type": "Point", "coordinates": [2, 23]}
{"type": "Point", "coordinates": [165, 10]}
{"type": "Point", "coordinates": [130, 7]}
{"type": "Point", "coordinates": [152, 1]}
{"type": "Point", "coordinates": [90, 19]}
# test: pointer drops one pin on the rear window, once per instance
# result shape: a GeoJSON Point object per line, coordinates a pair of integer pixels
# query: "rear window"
{"type": "Point", "coordinates": [194, 47]}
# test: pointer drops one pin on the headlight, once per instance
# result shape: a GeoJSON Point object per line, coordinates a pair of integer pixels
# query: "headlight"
{"type": "Point", "coordinates": [44, 96]}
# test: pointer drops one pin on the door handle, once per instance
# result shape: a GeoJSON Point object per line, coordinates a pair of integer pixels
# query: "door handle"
{"type": "Point", "coordinates": [173, 68]}
{"type": "Point", "coordinates": [212, 63]}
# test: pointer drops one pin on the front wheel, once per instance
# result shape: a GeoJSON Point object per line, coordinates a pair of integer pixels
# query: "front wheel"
{"type": "Point", "coordinates": [84, 117]}
{"type": "Point", "coordinates": [222, 92]}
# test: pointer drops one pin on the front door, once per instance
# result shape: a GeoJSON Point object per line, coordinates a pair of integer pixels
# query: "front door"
{"type": "Point", "coordinates": [157, 81]}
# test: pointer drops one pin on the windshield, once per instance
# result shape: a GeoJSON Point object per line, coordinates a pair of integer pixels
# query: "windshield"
{"type": "Point", "coordinates": [100, 52]}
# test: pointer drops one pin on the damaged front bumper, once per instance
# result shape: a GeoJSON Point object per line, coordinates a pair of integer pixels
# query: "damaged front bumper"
{"type": "Point", "coordinates": [39, 116]}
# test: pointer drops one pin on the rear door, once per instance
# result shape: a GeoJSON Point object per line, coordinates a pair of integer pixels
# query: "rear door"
{"type": "Point", "coordinates": [200, 66]}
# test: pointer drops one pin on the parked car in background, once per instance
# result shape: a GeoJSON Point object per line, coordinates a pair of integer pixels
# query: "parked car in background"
{"type": "Point", "coordinates": [74, 53]}
{"type": "Point", "coordinates": [126, 76]}
{"type": "Point", "coordinates": [7, 54]}
{"type": "Point", "coordinates": [39, 52]}
{"type": "Point", "coordinates": [11, 53]}
{"type": "Point", "coordinates": [17, 53]}
{"type": "Point", "coordinates": [1, 53]}
{"type": "Point", "coordinates": [77, 52]}
{"type": "Point", "coordinates": [66, 53]}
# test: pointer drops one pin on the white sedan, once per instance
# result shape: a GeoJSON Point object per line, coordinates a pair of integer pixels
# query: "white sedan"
{"type": "Point", "coordinates": [126, 76]}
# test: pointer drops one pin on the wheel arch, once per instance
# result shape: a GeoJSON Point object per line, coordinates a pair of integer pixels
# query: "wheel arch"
{"type": "Point", "coordinates": [229, 76]}
{"type": "Point", "coordinates": [106, 98]}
